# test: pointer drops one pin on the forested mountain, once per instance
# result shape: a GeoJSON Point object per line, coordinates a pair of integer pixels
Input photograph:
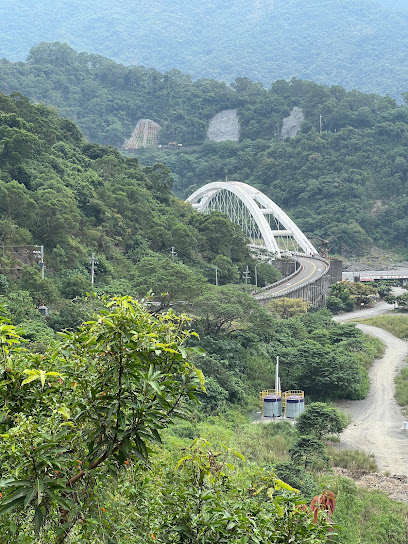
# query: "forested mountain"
{"type": "Point", "coordinates": [73, 196]}
{"type": "Point", "coordinates": [349, 185]}
{"type": "Point", "coordinates": [354, 43]}
{"type": "Point", "coordinates": [76, 198]}
{"type": "Point", "coordinates": [107, 99]}
{"type": "Point", "coordinates": [347, 179]}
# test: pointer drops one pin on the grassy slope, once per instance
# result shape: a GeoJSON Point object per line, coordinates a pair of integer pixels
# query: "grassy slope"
{"type": "Point", "coordinates": [397, 325]}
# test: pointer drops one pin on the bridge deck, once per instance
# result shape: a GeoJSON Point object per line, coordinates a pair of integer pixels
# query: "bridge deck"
{"type": "Point", "coordinates": [311, 270]}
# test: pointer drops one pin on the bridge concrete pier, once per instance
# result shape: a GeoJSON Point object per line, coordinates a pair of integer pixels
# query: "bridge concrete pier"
{"type": "Point", "coordinates": [336, 270]}
{"type": "Point", "coordinates": [285, 266]}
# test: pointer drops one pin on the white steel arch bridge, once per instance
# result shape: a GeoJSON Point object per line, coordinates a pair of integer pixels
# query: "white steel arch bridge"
{"type": "Point", "coordinates": [269, 228]}
{"type": "Point", "coordinates": [265, 224]}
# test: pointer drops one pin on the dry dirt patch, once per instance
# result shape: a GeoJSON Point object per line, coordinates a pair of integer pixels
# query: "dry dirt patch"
{"type": "Point", "coordinates": [396, 487]}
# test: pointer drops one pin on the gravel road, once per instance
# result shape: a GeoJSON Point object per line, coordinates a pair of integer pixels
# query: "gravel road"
{"type": "Point", "coordinates": [377, 420]}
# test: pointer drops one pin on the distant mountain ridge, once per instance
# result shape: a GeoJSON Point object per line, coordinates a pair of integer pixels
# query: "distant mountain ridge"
{"type": "Point", "coordinates": [354, 43]}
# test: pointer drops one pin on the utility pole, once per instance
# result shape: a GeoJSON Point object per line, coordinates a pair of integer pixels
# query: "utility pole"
{"type": "Point", "coordinates": [42, 262]}
{"type": "Point", "coordinates": [40, 255]}
{"type": "Point", "coordinates": [321, 123]}
{"type": "Point", "coordinates": [246, 275]}
{"type": "Point", "coordinates": [173, 253]}
{"type": "Point", "coordinates": [256, 275]}
{"type": "Point", "coordinates": [93, 262]}
{"type": "Point", "coordinates": [216, 276]}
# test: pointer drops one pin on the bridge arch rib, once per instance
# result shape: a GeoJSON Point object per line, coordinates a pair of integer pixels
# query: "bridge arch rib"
{"type": "Point", "coordinates": [253, 211]}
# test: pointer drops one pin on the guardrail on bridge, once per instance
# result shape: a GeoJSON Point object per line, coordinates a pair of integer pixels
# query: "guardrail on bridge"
{"type": "Point", "coordinates": [313, 291]}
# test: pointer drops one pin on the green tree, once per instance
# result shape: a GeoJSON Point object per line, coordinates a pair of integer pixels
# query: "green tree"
{"type": "Point", "coordinates": [20, 307]}
{"type": "Point", "coordinates": [203, 505]}
{"type": "Point", "coordinates": [400, 300]}
{"type": "Point", "coordinates": [17, 204]}
{"type": "Point", "coordinates": [170, 282]}
{"type": "Point", "coordinates": [297, 477]}
{"type": "Point", "coordinates": [75, 284]}
{"type": "Point", "coordinates": [266, 274]}
{"type": "Point", "coordinates": [59, 214]}
{"type": "Point", "coordinates": [3, 284]}
{"type": "Point", "coordinates": [225, 309]}
{"type": "Point", "coordinates": [159, 181]}
{"type": "Point", "coordinates": [227, 272]}
{"type": "Point", "coordinates": [319, 419]}
{"type": "Point", "coordinates": [42, 291]}
{"type": "Point", "coordinates": [336, 305]}
{"type": "Point", "coordinates": [220, 237]}
{"type": "Point", "coordinates": [362, 294]}
{"type": "Point", "coordinates": [121, 380]}
{"type": "Point", "coordinates": [324, 371]}
{"type": "Point", "coordinates": [285, 308]}
{"type": "Point", "coordinates": [70, 314]}
{"type": "Point", "coordinates": [346, 296]}
{"type": "Point", "coordinates": [383, 289]}
{"type": "Point", "coordinates": [309, 451]}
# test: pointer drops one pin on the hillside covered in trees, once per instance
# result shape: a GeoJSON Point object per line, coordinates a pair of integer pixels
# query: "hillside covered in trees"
{"type": "Point", "coordinates": [81, 413]}
{"type": "Point", "coordinates": [77, 198]}
{"type": "Point", "coordinates": [354, 43]}
{"type": "Point", "coordinates": [345, 179]}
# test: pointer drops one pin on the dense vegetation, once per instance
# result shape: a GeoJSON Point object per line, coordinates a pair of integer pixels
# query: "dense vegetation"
{"type": "Point", "coordinates": [346, 183]}
{"type": "Point", "coordinates": [68, 405]}
{"type": "Point", "coordinates": [79, 422]}
{"type": "Point", "coordinates": [71, 196]}
{"type": "Point", "coordinates": [400, 301]}
{"type": "Point", "coordinates": [121, 380]}
{"type": "Point", "coordinates": [355, 43]}
{"type": "Point", "coordinates": [107, 99]}
{"type": "Point", "coordinates": [86, 449]}
{"type": "Point", "coordinates": [347, 296]}
{"type": "Point", "coordinates": [76, 198]}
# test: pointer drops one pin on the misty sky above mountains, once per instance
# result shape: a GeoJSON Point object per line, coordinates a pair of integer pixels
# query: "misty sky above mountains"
{"type": "Point", "coordinates": [394, 4]}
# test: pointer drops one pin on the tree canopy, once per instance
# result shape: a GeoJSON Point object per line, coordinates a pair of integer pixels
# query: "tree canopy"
{"type": "Point", "coordinates": [100, 396]}
{"type": "Point", "coordinates": [319, 420]}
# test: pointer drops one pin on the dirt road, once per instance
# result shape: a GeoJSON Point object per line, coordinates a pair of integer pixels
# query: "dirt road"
{"type": "Point", "coordinates": [377, 420]}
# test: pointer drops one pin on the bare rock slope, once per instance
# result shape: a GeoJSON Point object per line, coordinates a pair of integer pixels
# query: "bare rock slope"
{"type": "Point", "coordinates": [224, 126]}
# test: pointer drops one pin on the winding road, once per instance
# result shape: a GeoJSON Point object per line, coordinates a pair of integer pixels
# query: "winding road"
{"type": "Point", "coordinates": [311, 269]}
{"type": "Point", "coordinates": [377, 420]}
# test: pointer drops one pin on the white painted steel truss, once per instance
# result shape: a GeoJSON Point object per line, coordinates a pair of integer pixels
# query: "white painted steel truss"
{"type": "Point", "coordinates": [264, 223]}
